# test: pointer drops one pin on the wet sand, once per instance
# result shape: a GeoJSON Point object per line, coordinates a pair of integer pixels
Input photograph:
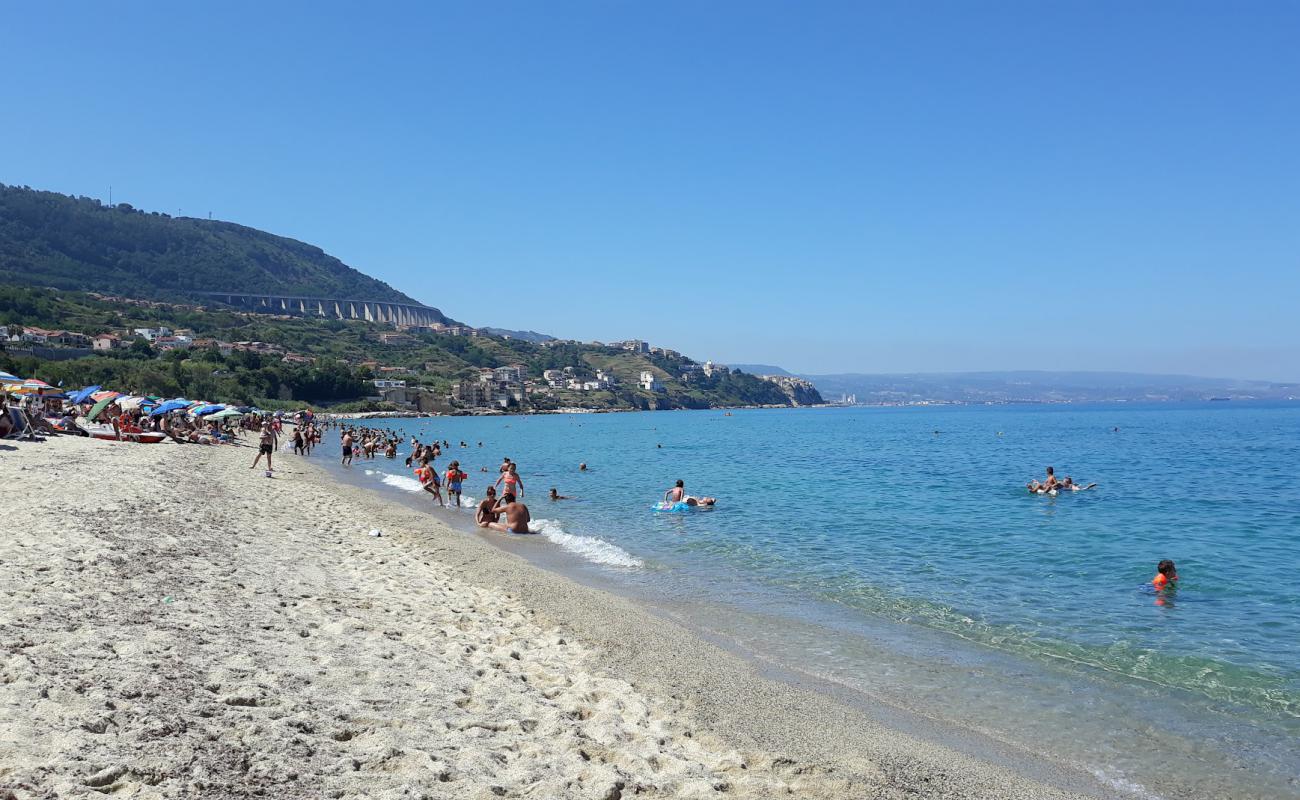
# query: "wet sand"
{"type": "Point", "coordinates": [175, 624]}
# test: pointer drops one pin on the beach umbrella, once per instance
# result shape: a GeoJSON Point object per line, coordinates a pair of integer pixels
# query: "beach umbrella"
{"type": "Point", "coordinates": [81, 395]}
{"type": "Point", "coordinates": [97, 396]}
{"type": "Point", "coordinates": [100, 405]}
{"type": "Point", "coordinates": [169, 406]}
{"type": "Point", "coordinates": [130, 403]}
{"type": "Point", "coordinates": [6, 377]}
{"type": "Point", "coordinates": [207, 409]}
{"type": "Point", "coordinates": [227, 413]}
{"type": "Point", "coordinates": [33, 386]}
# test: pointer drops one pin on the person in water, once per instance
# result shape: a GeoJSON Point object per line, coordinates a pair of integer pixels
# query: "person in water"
{"type": "Point", "coordinates": [454, 480]}
{"type": "Point", "coordinates": [1070, 485]}
{"type": "Point", "coordinates": [557, 496]}
{"type": "Point", "coordinates": [428, 478]}
{"type": "Point", "coordinates": [701, 501]}
{"type": "Point", "coordinates": [676, 494]}
{"type": "Point", "coordinates": [487, 512]}
{"type": "Point", "coordinates": [514, 485]}
{"type": "Point", "coordinates": [517, 517]}
{"type": "Point", "coordinates": [1166, 576]}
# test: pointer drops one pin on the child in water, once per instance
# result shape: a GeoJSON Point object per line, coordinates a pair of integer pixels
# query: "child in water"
{"type": "Point", "coordinates": [1166, 575]}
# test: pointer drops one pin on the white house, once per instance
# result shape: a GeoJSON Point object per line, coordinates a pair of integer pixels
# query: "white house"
{"type": "Point", "coordinates": [649, 382]}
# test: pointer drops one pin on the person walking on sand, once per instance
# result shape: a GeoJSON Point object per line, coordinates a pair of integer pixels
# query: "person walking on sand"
{"type": "Point", "coordinates": [266, 446]}
{"type": "Point", "coordinates": [514, 484]}
{"type": "Point", "coordinates": [347, 448]}
{"type": "Point", "coordinates": [517, 517]}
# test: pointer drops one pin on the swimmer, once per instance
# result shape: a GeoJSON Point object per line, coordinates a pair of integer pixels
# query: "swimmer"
{"type": "Point", "coordinates": [675, 494]}
{"type": "Point", "coordinates": [557, 496]}
{"type": "Point", "coordinates": [707, 502]}
{"type": "Point", "coordinates": [582, 467]}
{"type": "Point", "coordinates": [1166, 576]}
{"type": "Point", "coordinates": [1069, 483]}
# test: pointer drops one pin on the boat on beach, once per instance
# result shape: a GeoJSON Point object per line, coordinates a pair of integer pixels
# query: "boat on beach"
{"type": "Point", "coordinates": [106, 432]}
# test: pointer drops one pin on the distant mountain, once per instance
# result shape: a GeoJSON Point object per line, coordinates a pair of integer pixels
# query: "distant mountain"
{"type": "Point", "coordinates": [527, 336]}
{"type": "Point", "coordinates": [762, 369]}
{"type": "Point", "coordinates": [1037, 387]}
{"type": "Point", "coordinates": [50, 239]}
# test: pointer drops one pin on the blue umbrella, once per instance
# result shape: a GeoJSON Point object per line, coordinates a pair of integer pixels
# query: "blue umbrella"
{"type": "Point", "coordinates": [211, 408]}
{"type": "Point", "coordinates": [169, 406]}
{"type": "Point", "coordinates": [82, 395]}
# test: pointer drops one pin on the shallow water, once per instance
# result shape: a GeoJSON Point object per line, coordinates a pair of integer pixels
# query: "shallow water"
{"type": "Point", "coordinates": [896, 552]}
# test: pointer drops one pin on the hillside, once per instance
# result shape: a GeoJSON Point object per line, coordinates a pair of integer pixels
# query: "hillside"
{"type": "Point", "coordinates": [50, 239]}
{"type": "Point", "coordinates": [330, 361]}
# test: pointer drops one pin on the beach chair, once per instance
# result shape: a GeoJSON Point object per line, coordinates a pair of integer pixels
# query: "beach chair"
{"type": "Point", "coordinates": [22, 426]}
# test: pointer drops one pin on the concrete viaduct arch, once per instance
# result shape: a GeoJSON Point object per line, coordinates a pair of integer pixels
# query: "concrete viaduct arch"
{"type": "Point", "coordinates": [333, 308]}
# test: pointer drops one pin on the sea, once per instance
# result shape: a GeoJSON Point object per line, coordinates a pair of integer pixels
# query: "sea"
{"type": "Point", "coordinates": [893, 557]}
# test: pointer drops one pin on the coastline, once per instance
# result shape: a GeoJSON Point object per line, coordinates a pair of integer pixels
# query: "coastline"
{"type": "Point", "coordinates": [234, 549]}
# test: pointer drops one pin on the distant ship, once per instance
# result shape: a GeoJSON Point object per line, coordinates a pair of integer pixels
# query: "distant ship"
{"type": "Point", "coordinates": [1220, 399]}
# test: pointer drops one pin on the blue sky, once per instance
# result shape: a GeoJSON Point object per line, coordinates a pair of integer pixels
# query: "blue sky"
{"type": "Point", "coordinates": [831, 187]}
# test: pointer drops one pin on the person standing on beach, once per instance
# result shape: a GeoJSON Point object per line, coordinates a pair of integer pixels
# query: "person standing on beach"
{"type": "Point", "coordinates": [517, 516]}
{"type": "Point", "coordinates": [347, 448]}
{"type": "Point", "coordinates": [266, 446]}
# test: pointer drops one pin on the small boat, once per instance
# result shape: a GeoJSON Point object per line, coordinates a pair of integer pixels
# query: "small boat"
{"type": "Point", "coordinates": [136, 435]}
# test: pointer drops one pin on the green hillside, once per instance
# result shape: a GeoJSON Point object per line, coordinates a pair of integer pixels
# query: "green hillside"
{"type": "Point", "coordinates": [50, 239]}
{"type": "Point", "coordinates": [345, 355]}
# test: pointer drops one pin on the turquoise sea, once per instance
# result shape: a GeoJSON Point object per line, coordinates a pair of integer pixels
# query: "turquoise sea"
{"type": "Point", "coordinates": [894, 554]}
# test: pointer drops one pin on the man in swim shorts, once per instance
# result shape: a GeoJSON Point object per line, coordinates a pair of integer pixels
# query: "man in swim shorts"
{"type": "Point", "coordinates": [517, 517]}
{"type": "Point", "coordinates": [266, 446]}
{"type": "Point", "coordinates": [347, 448]}
{"type": "Point", "coordinates": [487, 512]}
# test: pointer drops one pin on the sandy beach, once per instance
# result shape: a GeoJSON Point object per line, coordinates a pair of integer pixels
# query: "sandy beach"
{"type": "Point", "coordinates": [174, 624]}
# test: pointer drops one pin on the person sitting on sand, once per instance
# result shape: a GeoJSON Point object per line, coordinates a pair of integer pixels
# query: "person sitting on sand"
{"type": "Point", "coordinates": [557, 496]}
{"type": "Point", "coordinates": [517, 517]}
{"type": "Point", "coordinates": [487, 512]}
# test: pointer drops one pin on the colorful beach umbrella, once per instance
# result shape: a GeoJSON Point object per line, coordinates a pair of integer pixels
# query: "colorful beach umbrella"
{"type": "Point", "coordinates": [6, 377]}
{"type": "Point", "coordinates": [100, 395]}
{"type": "Point", "coordinates": [33, 386]}
{"type": "Point", "coordinates": [100, 405]}
{"type": "Point", "coordinates": [227, 413]}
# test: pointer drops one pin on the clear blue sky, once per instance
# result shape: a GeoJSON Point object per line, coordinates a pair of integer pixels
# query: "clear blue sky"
{"type": "Point", "coordinates": [825, 186]}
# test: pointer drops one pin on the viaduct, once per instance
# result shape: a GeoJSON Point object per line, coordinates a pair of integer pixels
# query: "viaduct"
{"type": "Point", "coordinates": [368, 310]}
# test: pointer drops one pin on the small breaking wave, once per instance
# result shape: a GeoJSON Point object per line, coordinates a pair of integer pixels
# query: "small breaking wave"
{"type": "Point", "coordinates": [401, 482]}
{"type": "Point", "coordinates": [597, 551]}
